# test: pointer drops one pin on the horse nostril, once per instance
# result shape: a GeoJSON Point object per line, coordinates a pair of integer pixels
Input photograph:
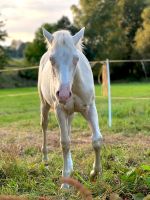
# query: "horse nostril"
{"type": "Point", "coordinates": [70, 94]}
{"type": "Point", "coordinates": [57, 93]}
{"type": "Point", "coordinates": [63, 96]}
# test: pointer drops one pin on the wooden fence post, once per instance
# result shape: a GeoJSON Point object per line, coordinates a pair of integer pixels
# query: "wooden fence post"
{"type": "Point", "coordinates": [104, 80]}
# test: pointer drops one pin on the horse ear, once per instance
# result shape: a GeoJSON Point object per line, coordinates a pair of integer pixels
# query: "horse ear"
{"type": "Point", "coordinates": [47, 35]}
{"type": "Point", "coordinates": [78, 36]}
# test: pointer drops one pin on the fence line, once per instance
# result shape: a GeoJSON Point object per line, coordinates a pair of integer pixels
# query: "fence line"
{"type": "Point", "coordinates": [102, 97]}
{"type": "Point", "coordinates": [18, 69]}
{"type": "Point", "coordinates": [119, 61]}
{"type": "Point", "coordinates": [103, 62]}
{"type": "Point", "coordinates": [20, 94]}
{"type": "Point", "coordinates": [92, 63]}
{"type": "Point", "coordinates": [126, 98]}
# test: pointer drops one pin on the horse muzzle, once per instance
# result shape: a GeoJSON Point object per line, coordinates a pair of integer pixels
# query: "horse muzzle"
{"type": "Point", "coordinates": [63, 94]}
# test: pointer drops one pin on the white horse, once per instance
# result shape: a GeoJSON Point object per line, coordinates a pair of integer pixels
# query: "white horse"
{"type": "Point", "coordinates": [66, 84]}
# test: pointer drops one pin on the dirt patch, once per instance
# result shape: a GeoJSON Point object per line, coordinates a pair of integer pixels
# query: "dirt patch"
{"type": "Point", "coordinates": [138, 140]}
{"type": "Point", "coordinates": [21, 140]}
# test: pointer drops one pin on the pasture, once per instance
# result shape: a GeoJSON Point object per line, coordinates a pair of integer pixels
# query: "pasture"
{"type": "Point", "coordinates": [125, 152]}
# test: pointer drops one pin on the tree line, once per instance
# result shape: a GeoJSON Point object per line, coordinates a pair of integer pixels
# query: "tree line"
{"type": "Point", "coordinates": [115, 29]}
{"type": "Point", "coordinates": [3, 54]}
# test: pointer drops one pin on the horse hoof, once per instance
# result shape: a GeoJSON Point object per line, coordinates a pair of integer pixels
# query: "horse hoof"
{"type": "Point", "coordinates": [64, 186]}
{"type": "Point", "coordinates": [94, 174]}
{"type": "Point", "coordinates": [45, 162]}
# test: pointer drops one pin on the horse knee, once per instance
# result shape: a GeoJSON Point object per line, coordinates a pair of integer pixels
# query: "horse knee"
{"type": "Point", "coordinates": [97, 143]}
{"type": "Point", "coordinates": [44, 150]}
{"type": "Point", "coordinates": [44, 123]}
{"type": "Point", "coordinates": [65, 145]}
{"type": "Point", "coordinates": [44, 116]}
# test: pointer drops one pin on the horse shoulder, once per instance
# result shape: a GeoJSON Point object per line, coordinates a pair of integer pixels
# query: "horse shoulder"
{"type": "Point", "coordinates": [84, 83]}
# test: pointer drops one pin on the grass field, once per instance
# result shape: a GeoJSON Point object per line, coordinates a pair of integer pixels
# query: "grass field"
{"type": "Point", "coordinates": [125, 152]}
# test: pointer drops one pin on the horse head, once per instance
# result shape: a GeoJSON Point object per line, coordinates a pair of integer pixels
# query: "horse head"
{"type": "Point", "coordinates": [63, 58]}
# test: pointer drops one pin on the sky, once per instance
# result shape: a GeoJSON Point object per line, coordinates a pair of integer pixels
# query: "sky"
{"type": "Point", "coordinates": [23, 17]}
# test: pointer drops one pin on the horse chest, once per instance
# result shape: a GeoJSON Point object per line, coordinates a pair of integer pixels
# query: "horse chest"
{"type": "Point", "coordinates": [75, 104]}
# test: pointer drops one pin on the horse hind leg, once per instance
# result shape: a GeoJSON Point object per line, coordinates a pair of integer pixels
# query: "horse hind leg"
{"type": "Point", "coordinates": [44, 123]}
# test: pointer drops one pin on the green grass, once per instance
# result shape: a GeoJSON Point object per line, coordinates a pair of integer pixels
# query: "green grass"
{"type": "Point", "coordinates": [129, 115]}
{"type": "Point", "coordinates": [125, 172]}
{"type": "Point", "coordinates": [125, 153]}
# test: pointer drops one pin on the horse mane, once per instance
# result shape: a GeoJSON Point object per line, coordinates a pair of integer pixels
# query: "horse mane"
{"type": "Point", "coordinates": [64, 38]}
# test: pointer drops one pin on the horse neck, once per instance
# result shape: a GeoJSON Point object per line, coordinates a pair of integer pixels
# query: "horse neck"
{"type": "Point", "coordinates": [83, 79]}
{"type": "Point", "coordinates": [78, 78]}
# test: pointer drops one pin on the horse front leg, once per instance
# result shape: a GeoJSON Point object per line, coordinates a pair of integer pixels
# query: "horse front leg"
{"type": "Point", "coordinates": [92, 117]}
{"type": "Point", "coordinates": [64, 123]}
{"type": "Point", "coordinates": [44, 123]}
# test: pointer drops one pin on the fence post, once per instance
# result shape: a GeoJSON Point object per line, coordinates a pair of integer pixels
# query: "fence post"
{"type": "Point", "coordinates": [109, 95]}
{"type": "Point", "coordinates": [104, 80]}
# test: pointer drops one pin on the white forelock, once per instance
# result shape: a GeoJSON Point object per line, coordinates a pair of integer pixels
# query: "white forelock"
{"type": "Point", "coordinates": [64, 38]}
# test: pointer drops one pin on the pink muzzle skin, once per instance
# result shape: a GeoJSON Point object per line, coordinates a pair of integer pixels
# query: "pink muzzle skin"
{"type": "Point", "coordinates": [64, 93]}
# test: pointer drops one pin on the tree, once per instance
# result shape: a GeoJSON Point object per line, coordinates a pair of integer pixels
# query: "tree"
{"type": "Point", "coordinates": [102, 32]}
{"type": "Point", "coordinates": [131, 20]}
{"type": "Point", "coordinates": [142, 38]}
{"type": "Point", "coordinates": [111, 26]}
{"type": "Point", "coordinates": [16, 49]}
{"type": "Point", "coordinates": [3, 56]}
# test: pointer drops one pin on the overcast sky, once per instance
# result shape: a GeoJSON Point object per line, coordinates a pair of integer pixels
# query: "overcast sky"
{"type": "Point", "coordinates": [23, 17]}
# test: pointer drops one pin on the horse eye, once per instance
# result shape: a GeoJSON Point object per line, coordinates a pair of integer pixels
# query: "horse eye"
{"type": "Point", "coordinates": [52, 60]}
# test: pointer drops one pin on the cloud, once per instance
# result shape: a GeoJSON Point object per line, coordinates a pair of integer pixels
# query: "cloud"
{"type": "Point", "coordinates": [7, 4]}
{"type": "Point", "coordinates": [23, 17]}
